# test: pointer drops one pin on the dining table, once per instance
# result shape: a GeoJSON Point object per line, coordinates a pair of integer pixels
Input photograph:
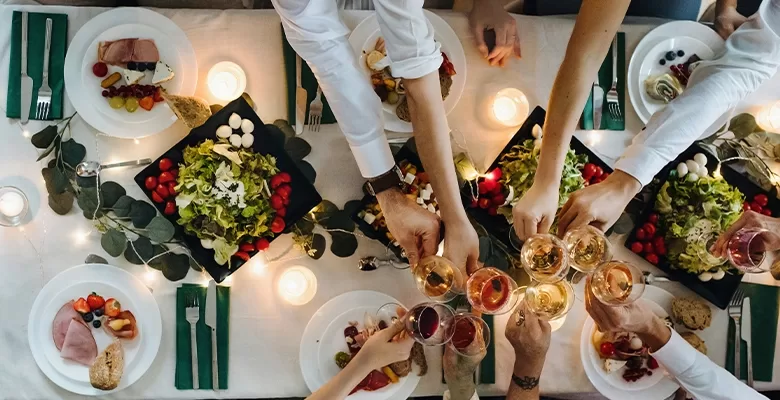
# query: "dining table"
{"type": "Point", "coordinates": [265, 331]}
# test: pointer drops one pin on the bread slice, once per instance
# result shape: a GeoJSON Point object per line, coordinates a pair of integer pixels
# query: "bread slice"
{"type": "Point", "coordinates": [193, 111]}
{"type": "Point", "coordinates": [692, 313]}
{"type": "Point", "coordinates": [106, 372]}
{"type": "Point", "coordinates": [695, 341]}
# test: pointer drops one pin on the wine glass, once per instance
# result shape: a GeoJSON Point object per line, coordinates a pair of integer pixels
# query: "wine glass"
{"type": "Point", "coordinates": [588, 248]}
{"type": "Point", "coordinates": [514, 240]}
{"type": "Point", "coordinates": [430, 324]}
{"type": "Point", "coordinates": [550, 301]}
{"type": "Point", "coordinates": [745, 252]}
{"type": "Point", "coordinates": [438, 278]}
{"type": "Point", "coordinates": [706, 241]}
{"type": "Point", "coordinates": [617, 283]}
{"type": "Point", "coordinates": [472, 335]}
{"type": "Point", "coordinates": [545, 258]}
{"type": "Point", "coordinates": [491, 291]}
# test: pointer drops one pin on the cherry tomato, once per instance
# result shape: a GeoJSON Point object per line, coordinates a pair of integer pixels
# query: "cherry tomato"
{"type": "Point", "coordinates": [277, 226]}
{"type": "Point", "coordinates": [281, 212]}
{"type": "Point", "coordinates": [637, 247]}
{"type": "Point", "coordinates": [157, 198]}
{"type": "Point", "coordinates": [658, 242]}
{"type": "Point", "coordinates": [604, 176]}
{"type": "Point", "coordinates": [761, 199]}
{"type": "Point", "coordinates": [284, 191]}
{"type": "Point", "coordinates": [756, 207]}
{"type": "Point", "coordinates": [487, 186]}
{"type": "Point", "coordinates": [242, 255]}
{"type": "Point", "coordinates": [652, 258]}
{"type": "Point", "coordinates": [598, 172]}
{"type": "Point", "coordinates": [496, 174]}
{"type": "Point", "coordinates": [247, 247]}
{"type": "Point", "coordinates": [649, 229]}
{"type": "Point", "coordinates": [588, 170]}
{"type": "Point", "coordinates": [649, 248]}
{"type": "Point", "coordinates": [660, 250]}
{"type": "Point", "coordinates": [767, 212]}
{"type": "Point", "coordinates": [100, 69]}
{"type": "Point", "coordinates": [174, 172]}
{"type": "Point", "coordinates": [277, 202]}
{"type": "Point", "coordinates": [746, 206]}
{"type": "Point", "coordinates": [498, 189]}
{"type": "Point", "coordinates": [493, 210]}
{"type": "Point", "coordinates": [652, 218]}
{"type": "Point", "coordinates": [484, 203]}
{"type": "Point", "coordinates": [162, 190]}
{"type": "Point", "coordinates": [170, 208]}
{"type": "Point", "coordinates": [499, 200]}
{"type": "Point", "coordinates": [286, 201]}
{"type": "Point", "coordinates": [474, 203]}
{"type": "Point", "coordinates": [286, 178]}
{"type": "Point", "coordinates": [262, 244]}
{"type": "Point", "coordinates": [166, 177]}
{"type": "Point", "coordinates": [607, 349]}
{"type": "Point", "coordinates": [276, 181]}
{"type": "Point", "coordinates": [150, 183]}
{"type": "Point", "coordinates": [166, 164]}
{"type": "Point", "coordinates": [641, 234]}
{"type": "Point", "coordinates": [172, 189]}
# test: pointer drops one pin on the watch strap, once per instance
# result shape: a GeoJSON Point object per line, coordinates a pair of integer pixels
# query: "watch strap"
{"type": "Point", "coordinates": [388, 180]}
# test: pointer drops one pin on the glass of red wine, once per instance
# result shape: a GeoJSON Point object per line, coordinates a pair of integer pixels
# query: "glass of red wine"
{"type": "Point", "coordinates": [745, 250]}
{"type": "Point", "coordinates": [492, 291]}
{"type": "Point", "coordinates": [430, 324]}
{"type": "Point", "coordinates": [472, 335]}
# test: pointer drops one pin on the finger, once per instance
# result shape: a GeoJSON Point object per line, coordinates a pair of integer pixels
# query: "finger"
{"type": "Point", "coordinates": [471, 263]}
{"type": "Point", "coordinates": [581, 220]}
{"type": "Point", "coordinates": [387, 334]}
{"type": "Point", "coordinates": [529, 228]}
{"type": "Point", "coordinates": [516, 49]}
{"type": "Point", "coordinates": [567, 214]}
{"type": "Point", "coordinates": [429, 243]}
{"type": "Point", "coordinates": [479, 38]}
{"type": "Point", "coordinates": [719, 248]}
{"type": "Point", "coordinates": [501, 42]}
{"type": "Point", "coordinates": [545, 327]}
{"type": "Point", "coordinates": [545, 224]}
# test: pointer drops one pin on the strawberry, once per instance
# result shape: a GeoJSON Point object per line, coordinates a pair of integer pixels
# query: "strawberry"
{"type": "Point", "coordinates": [158, 95]}
{"type": "Point", "coordinates": [81, 306]}
{"type": "Point", "coordinates": [95, 301]}
{"type": "Point", "coordinates": [146, 103]}
{"type": "Point", "coordinates": [112, 307]}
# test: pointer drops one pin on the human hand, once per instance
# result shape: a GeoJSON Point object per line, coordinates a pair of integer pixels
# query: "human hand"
{"type": "Point", "coordinates": [529, 335]}
{"type": "Point", "coordinates": [600, 204]}
{"type": "Point", "coordinates": [459, 369]}
{"type": "Point", "coordinates": [416, 229]}
{"type": "Point", "coordinates": [535, 211]}
{"type": "Point", "coordinates": [490, 14]}
{"type": "Point", "coordinates": [386, 347]}
{"type": "Point", "coordinates": [461, 247]}
{"type": "Point", "coordinates": [766, 241]}
{"type": "Point", "coordinates": [727, 21]}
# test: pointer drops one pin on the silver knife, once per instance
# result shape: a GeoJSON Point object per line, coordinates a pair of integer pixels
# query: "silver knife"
{"type": "Point", "coordinates": [301, 96]}
{"type": "Point", "coordinates": [598, 103]}
{"type": "Point", "coordinates": [746, 336]}
{"type": "Point", "coordinates": [211, 321]}
{"type": "Point", "coordinates": [27, 82]}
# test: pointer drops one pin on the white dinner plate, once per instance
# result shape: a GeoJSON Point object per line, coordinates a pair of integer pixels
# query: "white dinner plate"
{"type": "Point", "coordinates": [109, 282]}
{"type": "Point", "coordinates": [364, 36]}
{"type": "Point", "coordinates": [324, 337]}
{"type": "Point", "coordinates": [673, 29]}
{"type": "Point", "coordinates": [160, 113]}
{"type": "Point", "coordinates": [651, 67]}
{"type": "Point", "coordinates": [82, 43]}
{"type": "Point", "coordinates": [655, 387]}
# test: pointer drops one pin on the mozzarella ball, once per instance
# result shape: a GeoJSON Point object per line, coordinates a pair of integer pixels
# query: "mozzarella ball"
{"type": "Point", "coordinates": [235, 140]}
{"type": "Point", "coordinates": [636, 343]}
{"type": "Point", "coordinates": [703, 171]}
{"type": "Point", "coordinates": [247, 140]}
{"type": "Point", "coordinates": [247, 126]}
{"type": "Point", "coordinates": [705, 276]}
{"type": "Point", "coordinates": [718, 275]}
{"type": "Point", "coordinates": [234, 121]}
{"type": "Point", "coordinates": [224, 132]}
{"type": "Point", "coordinates": [693, 177]}
{"type": "Point", "coordinates": [537, 143]}
{"type": "Point", "coordinates": [693, 166]}
{"type": "Point", "coordinates": [536, 131]}
{"type": "Point", "coordinates": [682, 169]}
{"type": "Point", "coordinates": [700, 159]}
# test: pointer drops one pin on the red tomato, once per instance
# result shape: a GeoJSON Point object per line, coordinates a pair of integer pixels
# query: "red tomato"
{"type": "Point", "coordinates": [166, 164]}
{"type": "Point", "coordinates": [487, 186]}
{"type": "Point", "coordinates": [604, 176]}
{"type": "Point", "coordinates": [641, 234]}
{"type": "Point", "coordinates": [649, 229]}
{"type": "Point", "coordinates": [277, 202]}
{"type": "Point", "coordinates": [498, 189]}
{"type": "Point", "coordinates": [162, 190]}
{"type": "Point", "coordinates": [277, 226]}
{"type": "Point", "coordinates": [262, 244]}
{"type": "Point", "coordinates": [637, 247]}
{"type": "Point", "coordinates": [658, 242]}
{"type": "Point", "coordinates": [746, 206]}
{"type": "Point", "coordinates": [661, 250]}
{"type": "Point", "coordinates": [242, 255]}
{"type": "Point", "coordinates": [172, 188]}
{"type": "Point", "coordinates": [652, 218]}
{"type": "Point", "coordinates": [170, 208]}
{"type": "Point", "coordinates": [496, 174]}
{"type": "Point", "coordinates": [286, 178]}
{"type": "Point", "coordinates": [100, 69]}
{"type": "Point", "coordinates": [484, 203]}
{"type": "Point", "coordinates": [756, 207]}
{"type": "Point", "coordinates": [156, 198]}
{"type": "Point", "coordinates": [150, 183]}
{"type": "Point", "coordinates": [493, 210]}
{"type": "Point", "coordinates": [499, 200]}
{"type": "Point", "coordinates": [652, 258]}
{"type": "Point", "coordinates": [649, 248]}
{"type": "Point", "coordinates": [166, 177]}
{"type": "Point", "coordinates": [276, 181]}
{"type": "Point", "coordinates": [598, 172]}
{"type": "Point", "coordinates": [607, 349]}
{"type": "Point", "coordinates": [767, 212]}
{"type": "Point", "coordinates": [588, 171]}
{"type": "Point", "coordinates": [761, 199]}
{"type": "Point", "coordinates": [284, 191]}
{"type": "Point", "coordinates": [474, 203]}
{"type": "Point", "coordinates": [281, 212]}
{"type": "Point", "coordinates": [247, 247]}
{"type": "Point", "coordinates": [174, 172]}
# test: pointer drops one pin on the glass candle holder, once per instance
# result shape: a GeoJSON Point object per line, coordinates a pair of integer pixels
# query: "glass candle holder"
{"type": "Point", "coordinates": [226, 81]}
{"type": "Point", "coordinates": [509, 107]}
{"type": "Point", "coordinates": [14, 206]}
{"type": "Point", "coordinates": [297, 285]}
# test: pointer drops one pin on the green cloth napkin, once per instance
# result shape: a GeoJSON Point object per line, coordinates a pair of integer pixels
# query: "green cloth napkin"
{"type": "Point", "coordinates": [764, 305]}
{"type": "Point", "coordinates": [605, 81]}
{"type": "Point", "coordinates": [203, 333]}
{"type": "Point", "coordinates": [308, 81]}
{"type": "Point", "coordinates": [36, 34]}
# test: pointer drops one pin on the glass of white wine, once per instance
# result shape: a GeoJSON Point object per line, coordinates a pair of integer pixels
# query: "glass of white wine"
{"type": "Point", "coordinates": [545, 258]}
{"type": "Point", "coordinates": [550, 301]}
{"type": "Point", "coordinates": [438, 279]}
{"type": "Point", "coordinates": [617, 283]}
{"type": "Point", "coordinates": [588, 248]}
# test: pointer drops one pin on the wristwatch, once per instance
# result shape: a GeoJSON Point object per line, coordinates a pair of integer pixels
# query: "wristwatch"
{"type": "Point", "coordinates": [390, 179]}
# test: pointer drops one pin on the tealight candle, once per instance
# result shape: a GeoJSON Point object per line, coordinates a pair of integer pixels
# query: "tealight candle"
{"type": "Point", "coordinates": [13, 206]}
{"type": "Point", "coordinates": [226, 80]}
{"type": "Point", "coordinates": [297, 285]}
{"type": "Point", "coordinates": [769, 118]}
{"type": "Point", "coordinates": [509, 107]}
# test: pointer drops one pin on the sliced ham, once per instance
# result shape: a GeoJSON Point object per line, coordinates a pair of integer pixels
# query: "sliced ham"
{"type": "Point", "coordinates": [59, 327]}
{"type": "Point", "coordinates": [120, 52]}
{"type": "Point", "coordinates": [145, 51]}
{"type": "Point", "coordinates": [79, 345]}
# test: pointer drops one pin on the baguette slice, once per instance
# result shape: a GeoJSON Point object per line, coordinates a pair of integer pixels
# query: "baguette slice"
{"type": "Point", "coordinates": [193, 111]}
{"type": "Point", "coordinates": [106, 372]}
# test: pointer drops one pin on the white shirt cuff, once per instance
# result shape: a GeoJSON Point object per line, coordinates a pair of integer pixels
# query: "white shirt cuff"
{"type": "Point", "coordinates": [447, 396]}
{"type": "Point", "coordinates": [373, 158]}
{"type": "Point", "coordinates": [677, 356]}
{"type": "Point", "coordinates": [642, 162]}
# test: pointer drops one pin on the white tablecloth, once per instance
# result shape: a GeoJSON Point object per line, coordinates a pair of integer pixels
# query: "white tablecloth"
{"type": "Point", "coordinates": [264, 331]}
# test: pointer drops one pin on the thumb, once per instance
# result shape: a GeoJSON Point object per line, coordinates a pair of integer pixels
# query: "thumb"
{"type": "Point", "coordinates": [387, 334]}
{"type": "Point", "coordinates": [429, 244]}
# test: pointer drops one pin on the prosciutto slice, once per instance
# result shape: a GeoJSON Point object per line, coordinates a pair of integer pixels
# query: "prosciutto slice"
{"type": "Point", "coordinates": [129, 331]}
{"type": "Point", "coordinates": [59, 327]}
{"type": "Point", "coordinates": [145, 51]}
{"type": "Point", "coordinates": [122, 51]}
{"type": "Point", "coordinates": [79, 345]}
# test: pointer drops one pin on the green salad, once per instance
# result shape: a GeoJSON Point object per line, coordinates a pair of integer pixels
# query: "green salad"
{"type": "Point", "coordinates": [690, 212]}
{"type": "Point", "coordinates": [518, 167]}
{"type": "Point", "coordinates": [223, 196]}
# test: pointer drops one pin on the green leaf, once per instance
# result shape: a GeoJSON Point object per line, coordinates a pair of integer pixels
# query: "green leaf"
{"type": "Point", "coordinates": [122, 206]}
{"type": "Point", "coordinates": [51, 148]}
{"type": "Point", "coordinates": [86, 182]}
{"type": "Point", "coordinates": [275, 135]}
{"type": "Point", "coordinates": [95, 259]}
{"type": "Point", "coordinates": [157, 263]}
{"type": "Point", "coordinates": [175, 266]}
{"type": "Point", "coordinates": [61, 203]}
{"type": "Point", "coordinates": [160, 230]}
{"type": "Point", "coordinates": [485, 248]}
{"type": "Point", "coordinates": [323, 211]}
{"type": "Point", "coordinates": [318, 246]}
{"type": "Point", "coordinates": [55, 180]}
{"type": "Point", "coordinates": [111, 192]}
{"type": "Point", "coordinates": [307, 170]}
{"type": "Point", "coordinates": [743, 125]}
{"type": "Point", "coordinates": [72, 152]}
{"type": "Point", "coordinates": [285, 127]}
{"type": "Point", "coordinates": [497, 261]}
{"type": "Point", "coordinates": [352, 207]}
{"type": "Point", "coordinates": [297, 148]}
{"type": "Point", "coordinates": [88, 202]}
{"type": "Point", "coordinates": [194, 265]}
{"type": "Point", "coordinates": [114, 242]}
{"type": "Point", "coordinates": [140, 251]}
{"type": "Point", "coordinates": [340, 220]}
{"type": "Point", "coordinates": [141, 213]}
{"type": "Point", "coordinates": [305, 225]}
{"type": "Point", "coordinates": [45, 137]}
{"type": "Point", "coordinates": [343, 244]}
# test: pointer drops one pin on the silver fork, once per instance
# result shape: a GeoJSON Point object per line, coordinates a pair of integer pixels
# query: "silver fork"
{"type": "Point", "coordinates": [315, 111]}
{"type": "Point", "coordinates": [613, 104]}
{"type": "Point", "coordinates": [735, 312]}
{"type": "Point", "coordinates": [193, 316]}
{"type": "Point", "coordinates": [44, 93]}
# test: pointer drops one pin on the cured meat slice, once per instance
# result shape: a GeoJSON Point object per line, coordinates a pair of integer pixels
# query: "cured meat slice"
{"type": "Point", "coordinates": [145, 50]}
{"type": "Point", "coordinates": [128, 331]}
{"type": "Point", "coordinates": [117, 52]}
{"type": "Point", "coordinates": [59, 327]}
{"type": "Point", "coordinates": [79, 345]}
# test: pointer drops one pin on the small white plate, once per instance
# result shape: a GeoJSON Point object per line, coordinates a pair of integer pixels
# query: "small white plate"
{"type": "Point", "coordinates": [364, 37]}
{"type": "Point", "coordinates": [160, 113]}
{"type": "Point", "coordinates": [650, 66]}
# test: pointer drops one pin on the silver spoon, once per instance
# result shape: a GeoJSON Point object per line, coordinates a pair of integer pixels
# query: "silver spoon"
{"type": "Point", "coordinates": [89, 169]}
{"type": "Point", "coordinates": [650, 278]}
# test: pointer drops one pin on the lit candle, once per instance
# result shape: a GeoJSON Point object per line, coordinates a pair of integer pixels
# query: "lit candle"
{"type": "Point", "coordinates": [226, 80]}
{"type": "Point", "coordinates": [769, 118]}
{"type": "Point", "coordinates": [11, 204]}
{"type": "Point", "coordinates": [297, 285]}
{"type": "Point", "coordinates": [510, 107]}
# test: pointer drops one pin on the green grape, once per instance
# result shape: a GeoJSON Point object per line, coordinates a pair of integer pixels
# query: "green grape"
{"type": "Point", "coordinates": [116, 102]}
{"type": "Point", "coordinates": [131, 104]}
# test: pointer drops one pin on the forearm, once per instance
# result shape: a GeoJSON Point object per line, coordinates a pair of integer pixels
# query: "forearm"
{"type": "Point", "coordinates": [722, 4]}
{"type": "Point", "coordinates": [524, 384]}
{"type": "Point", "coordinates": [462, 387]}
{"type": "Point", "coordinates": [342, 384]}
{"type": "Point", "coordinates": [596, 25]}
{"type": "Point", "coordinates": [433, 143]}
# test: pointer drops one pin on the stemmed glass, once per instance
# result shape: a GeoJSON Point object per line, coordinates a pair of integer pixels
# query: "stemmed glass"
{"type": "Point", "coordinates": [745, 252]}
{"type": "Point", "coordinates": [472, 335]}
{"type": "Point", "coordinates": [550, 301]}
{"type": "Point", "coordinates": [491, 291]}
{"type": "Point", "coordinates": [617, 283]}
{"type": "Point", "coordinates": [438, 278]}
{"type": "Point", "coordinates": [545, 258]}
{"type": "Point", "coordinates": [430, 324]}
{"type": "Point", "coordinates": [588, 248]}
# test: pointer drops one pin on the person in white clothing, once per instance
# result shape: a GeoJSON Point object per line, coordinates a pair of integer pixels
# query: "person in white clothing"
{"type": "Point", "coordinates": [751, 56]}
{"type": "Point", "coordinates": [315, 31]}
{"type": "Point", "coordinates": [697, 374]}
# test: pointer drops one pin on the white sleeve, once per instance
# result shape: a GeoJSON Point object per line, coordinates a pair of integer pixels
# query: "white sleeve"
{"type": "Point", "coordinates": [702, 378]}
{"type": "Point", "coordinates": [447, 396]}
{"type": "Point", "coordinates": [751, 56]}
{"type": "Point", "coordinates": [408, 38]}
{"type": "Point", "coordinates": [315, 31]}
